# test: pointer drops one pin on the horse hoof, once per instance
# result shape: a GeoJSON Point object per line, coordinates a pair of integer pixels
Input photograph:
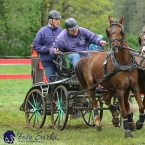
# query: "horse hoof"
{"type": "Point", "coordinates": [138, 125]}
{"type": "Point", "coordinates": [98, 127]}
{"type": "Point", "coordinates": [132, 128]}
{"type": "Point", "coordinates": [128, 134]}
{"type": "Point", "coordinates": [115, 122]}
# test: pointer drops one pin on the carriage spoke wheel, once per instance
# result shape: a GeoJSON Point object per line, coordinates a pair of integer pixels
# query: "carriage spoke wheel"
{"type": "Point", "coordinates": [88, 115]}
{"type": "Point", "coordinates": [35, 109]}
{"type": "Point", "coordinates": [59, 108]}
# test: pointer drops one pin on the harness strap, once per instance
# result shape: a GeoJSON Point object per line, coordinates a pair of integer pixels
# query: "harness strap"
{"type": "Point", "coordinates": [124, 67]}
{"type": "Point", "coordinates": [141, 61]}
{"type": "Point", "coordinates": [117, 66]}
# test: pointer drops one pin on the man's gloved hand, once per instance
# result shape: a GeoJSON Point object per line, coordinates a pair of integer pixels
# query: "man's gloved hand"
{"type": "Point", "coordinates": [56, 51]}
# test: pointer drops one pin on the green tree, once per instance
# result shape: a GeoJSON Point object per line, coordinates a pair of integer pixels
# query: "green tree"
{"type": "Point", "coordinates": [20, 22]}
{"type": "Point", "coordinates": [134, 14]}
{"type": "Point", "coordinates": [21, 19]}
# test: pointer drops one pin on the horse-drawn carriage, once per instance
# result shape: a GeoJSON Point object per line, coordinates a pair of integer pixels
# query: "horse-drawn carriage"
{"type": "Point", "coordinates": [116, 70]}
{"type": "Point", "coordinates": [61, 98]}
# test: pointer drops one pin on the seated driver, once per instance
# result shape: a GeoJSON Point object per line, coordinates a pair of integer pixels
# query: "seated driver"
{"type": "Point", "coordinates": [74, 39]}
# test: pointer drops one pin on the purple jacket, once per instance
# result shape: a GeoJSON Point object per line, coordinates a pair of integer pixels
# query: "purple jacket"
{"type": "Point", "coordinates": [44, 39]}
{"type": "Point", "coordinates": [68, 43]}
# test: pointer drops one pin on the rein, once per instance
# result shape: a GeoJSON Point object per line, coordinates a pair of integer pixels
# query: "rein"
{"type": "Point", "coordinates": [134, 52]}
{"type": "Point", "coordinates": [85, 51]}
{"type": "Point", "coordinates": [137, 52]}
{"type": "Point", "coordinates": [131, 49]}
{"type": "Point", "coordinates": [94, 86]}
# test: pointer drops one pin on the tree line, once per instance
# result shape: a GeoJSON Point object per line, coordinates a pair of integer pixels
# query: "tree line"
{"type": "Point", "coordinates": [21, 19]}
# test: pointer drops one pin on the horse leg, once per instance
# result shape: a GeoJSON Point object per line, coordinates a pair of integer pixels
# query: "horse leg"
{"type": "Point", "coordinates": [139, 123]}
{"type": "Point", "coordinates": [144, 101]}
{"type": "Point", "coordinates": [96, 113]}
{"type": "Point", "coordinates": [129, 115]}
{"type": "Point", "coordinates": [120, 96]}
{"type": "Point", "coordinates": [107, 98]}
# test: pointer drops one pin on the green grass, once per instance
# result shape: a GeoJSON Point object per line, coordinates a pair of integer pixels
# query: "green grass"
{"type": "Point", "coordinates": [15, 69]}
{"type": "Point", "coordinates": [76, 132]}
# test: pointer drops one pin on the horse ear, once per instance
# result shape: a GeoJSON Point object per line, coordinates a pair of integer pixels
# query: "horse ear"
{"type": "Point", "coordinates": [143, 29]}
{"type": "Point", "coordinates": [110, 19]}
{"type": "Point", "coordinates": [121, 20]}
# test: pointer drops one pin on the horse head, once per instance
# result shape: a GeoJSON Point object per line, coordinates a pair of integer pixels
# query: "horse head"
{"type": "Point", "coordinates": [141, 41]}
{"type": "Point", "coordinates": [115, 33]}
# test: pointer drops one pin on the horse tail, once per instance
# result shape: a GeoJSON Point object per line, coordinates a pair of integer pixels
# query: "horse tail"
{"type": "Point", "coordinates": [79, 68]}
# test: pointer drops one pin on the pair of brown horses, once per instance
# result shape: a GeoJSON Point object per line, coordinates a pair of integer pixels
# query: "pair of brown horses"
{"type": "Point", "coordinates": [118, 72]}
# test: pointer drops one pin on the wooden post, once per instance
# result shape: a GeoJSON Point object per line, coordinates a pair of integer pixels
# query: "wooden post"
{"type": "Point", "coordinates": [37, 72]}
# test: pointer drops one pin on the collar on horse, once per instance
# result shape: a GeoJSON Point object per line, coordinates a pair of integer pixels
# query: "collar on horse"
{"type": "Point", "coordinates": [117, 66]}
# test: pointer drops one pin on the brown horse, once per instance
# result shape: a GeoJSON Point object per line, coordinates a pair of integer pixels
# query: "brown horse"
{"type": "Point", "coordinates": [141, 62]}
{"type": "Point", "coordinates": [117, 72]}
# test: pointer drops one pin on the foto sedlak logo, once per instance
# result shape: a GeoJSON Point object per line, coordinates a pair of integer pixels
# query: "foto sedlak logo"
{"type": "Point", "coordinates": [9, 137]}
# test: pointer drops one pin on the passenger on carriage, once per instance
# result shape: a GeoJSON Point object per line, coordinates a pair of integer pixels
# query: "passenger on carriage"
{"type": "Point", "coordinates": [44, 39]}
{"type": "Point", "coordinates": [74, 40]}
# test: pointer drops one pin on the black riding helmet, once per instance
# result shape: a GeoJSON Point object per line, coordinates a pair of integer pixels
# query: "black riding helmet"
{"type": "Point", "coordinates": [54, 14]}
{"type": "Point", "coordinates": [71, 24]}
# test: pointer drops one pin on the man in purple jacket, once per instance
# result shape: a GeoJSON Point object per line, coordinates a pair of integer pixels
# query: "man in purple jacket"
{"type": "Point", "coordinates": [74, 39]}
{"type": "Point", "coordinates": [44, 39]}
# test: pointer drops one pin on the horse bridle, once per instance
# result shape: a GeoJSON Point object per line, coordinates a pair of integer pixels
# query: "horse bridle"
{"type": "Point", "coordinates": [113, 31]}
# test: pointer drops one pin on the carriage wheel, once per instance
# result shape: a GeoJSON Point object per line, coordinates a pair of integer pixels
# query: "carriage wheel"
{"type": "Point", "coordinates": [59, 108]}
{"type": "Point", "coordinates": [35, 109]}
{"type": "Point", "coordinates": [88, 115]}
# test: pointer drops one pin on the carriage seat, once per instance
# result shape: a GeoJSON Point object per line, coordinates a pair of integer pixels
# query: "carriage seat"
{"type": "Point", "coordinates": [64, 66]}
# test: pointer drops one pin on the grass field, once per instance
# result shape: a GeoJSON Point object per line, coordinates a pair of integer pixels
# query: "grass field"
{"type": "Point", "coordinates": [12, 93]}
